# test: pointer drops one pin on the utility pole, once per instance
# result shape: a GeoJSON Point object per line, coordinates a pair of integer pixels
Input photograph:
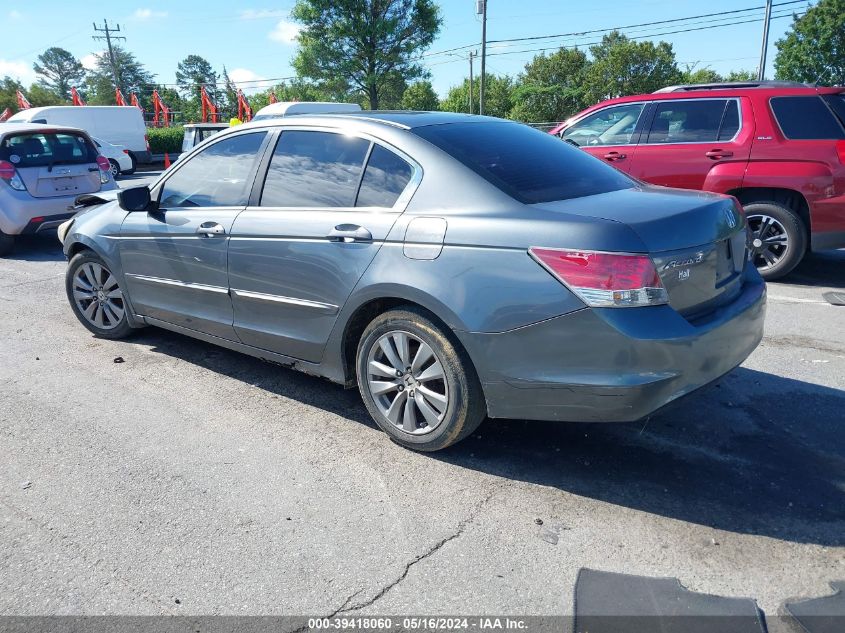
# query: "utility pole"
{"type": "Point", "coordinates": [471, 56]}
{"type": "Point", "coordinates": [481, 8]}
{"type": "Point", "coordinates": [761, 72]}
{"type": "Point", "coordinates": [109, 37]}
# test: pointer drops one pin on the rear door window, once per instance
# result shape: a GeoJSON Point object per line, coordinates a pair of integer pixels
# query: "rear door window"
{"type": "Point", "coordinates": [46, 149]}
{"type": "Point", "coordinates": [314, 170]}
{"type": "Point", "coordinates": [219, 176]}
{"type": "Point", "coordinates": [692, 121]}
{"type": "Point", "coordinates": [385, 178]}
{"type": "Point", "coordinates": [528, 165]}
{"type": "Point", "coordinates": [806, 118]}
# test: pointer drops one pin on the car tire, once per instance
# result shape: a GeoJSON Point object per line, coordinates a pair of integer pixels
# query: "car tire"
{"type": "Point", "coordinates": [7, 244]}
{"type": "Point", "coordinates": [115, 168]}
{"type": "Point", "coordinates": [434, 405]}
{"type": "Point", "coordinates": [96, 297]}
{"type": "Point", "coordinates": [778, 238]}
{"type": "Point", "coordinates": [129, 172]}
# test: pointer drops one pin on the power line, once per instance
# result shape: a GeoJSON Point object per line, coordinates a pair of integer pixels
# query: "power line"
{"type": "Point", "coordinates": [108, 37]}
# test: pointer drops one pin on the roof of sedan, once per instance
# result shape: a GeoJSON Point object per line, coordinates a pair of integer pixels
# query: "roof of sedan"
{"type": "Point", "coordinates": [399, 118]}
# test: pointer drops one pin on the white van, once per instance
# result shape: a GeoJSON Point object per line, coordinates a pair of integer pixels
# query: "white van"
{"type": "Point", "coordinates": [119, 125]}
{"type": "Point", "coordinates": [287, 108]}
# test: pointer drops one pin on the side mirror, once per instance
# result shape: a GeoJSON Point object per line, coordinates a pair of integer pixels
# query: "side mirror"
{"type": "Point", "coordinates": [134, 199]}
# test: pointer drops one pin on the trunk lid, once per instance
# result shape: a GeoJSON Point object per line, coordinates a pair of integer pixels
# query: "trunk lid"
{"type": "Point", "coordinates": [53, 163]}
{"type": "Point", "coordinates": [696, 240]}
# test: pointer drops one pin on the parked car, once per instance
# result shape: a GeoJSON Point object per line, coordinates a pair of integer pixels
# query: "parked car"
{"type": "Point", "coordinates": [453, 267]}
{"type": "Point", "coordinates": [196, 133]}
{"type": "Point", "coordinates": [779, 147]}
{"type": "Point", "coordinates": [43, 168]}
{"type": "Point", "coordinates": [118, 157]}
{"type": "Point", "coordinates": [289, 108]}
{"type": "Point", "coordinates": [121, 125]}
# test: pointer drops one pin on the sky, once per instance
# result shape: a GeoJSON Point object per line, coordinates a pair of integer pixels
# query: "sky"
{"type": "Point", "coordinates": [256, 40]}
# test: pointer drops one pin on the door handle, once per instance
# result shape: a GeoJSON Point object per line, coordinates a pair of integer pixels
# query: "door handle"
{"type": "Point", "coordinates": [210, 229]}
{"type": "Point", "coordinates": [716, 154]}
{"type": "Point", "coordinates": [349, 233]}
{"type": "Point", "coordinates": [612, 156]}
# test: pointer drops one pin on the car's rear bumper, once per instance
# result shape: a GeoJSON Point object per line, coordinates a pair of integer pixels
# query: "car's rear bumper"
{"type": "Point", "coordinates": [19, 209]}
{"type": "Point", "coordinates": [613, 365]}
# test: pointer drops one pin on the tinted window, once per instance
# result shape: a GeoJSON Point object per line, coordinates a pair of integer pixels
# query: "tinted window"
{"type": "Point", "coordinates": [39, 150]}
{"type": "Point", "coordinates": [611, 126]}
{"type": "Point", "coordinates": [730, 122]}
{"type": "Point", "coordinates": [219, 176]}
{"type": "Point", "coordinates": [687, 121]}
{"type": "Point", "coordinates": [314, 169]}
{"type": "Point", "coordinates": [805, 118]}
{"type": "Point", "coordinates": [385, 178]}
{"type": "Point", "coordinates": [526, 164]}
{"type": "Point", "coordinates": [837, 104]}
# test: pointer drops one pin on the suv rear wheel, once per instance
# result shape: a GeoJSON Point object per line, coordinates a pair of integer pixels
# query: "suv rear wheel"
{"type": "Point", "coordinates": [778, 238]}
{"type": "Point", "coordinates": [418, 385]}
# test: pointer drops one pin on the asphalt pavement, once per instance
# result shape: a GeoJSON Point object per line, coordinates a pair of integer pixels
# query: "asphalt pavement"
{"type": "Point", "coordinates": [168, 476]}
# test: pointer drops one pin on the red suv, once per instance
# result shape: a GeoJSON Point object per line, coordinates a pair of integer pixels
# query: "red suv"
{"type": "Point", "coordinates": [779, 147]}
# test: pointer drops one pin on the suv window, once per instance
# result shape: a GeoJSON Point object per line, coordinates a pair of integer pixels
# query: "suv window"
{"type": "Point", "coordinates": [314, 169]}
{"type": "Point", "coordinates": [692, 121]}
{"type": "Point", "coordinates": [385, 178]}
{"type": "Point", "coordinates": [42, 150]}
{"type": "Point", "coordinates": [837, 104]}
{"type": "Point", "coordinates": [219, 176]}
{"type": "Point", "coordinates": [526, 164]}
{"type": "Point", "coordinates": [611, 126]}
{"type": "Point", "coordinates": [805, 118]}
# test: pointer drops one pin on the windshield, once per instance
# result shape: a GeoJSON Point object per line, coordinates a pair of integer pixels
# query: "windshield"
{"type": "Point", "coordinates": [44, 149]}
{"type": "Point", "coordinates": [525, 163]}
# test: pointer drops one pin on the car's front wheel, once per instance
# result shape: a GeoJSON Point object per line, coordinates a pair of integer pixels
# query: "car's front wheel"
{"type": "Point", "coordinates": [96, 297]}
{"type": "Point", "coordinates": [778, 238]}
{"type": "Point", "coordinates": [417, 382]}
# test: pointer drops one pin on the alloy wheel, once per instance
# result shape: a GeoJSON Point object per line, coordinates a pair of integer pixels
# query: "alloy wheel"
{"type": "Point", "coordinates": [406, 381]}
{"type": "Point", "coordinates": [97, 296]}
{"type": "Point", "coordinates": [769, 241]}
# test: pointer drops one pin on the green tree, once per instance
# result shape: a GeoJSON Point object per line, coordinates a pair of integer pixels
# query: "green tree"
{"type": "Point", "coordinates": [741, 75]}
{"type": "Point", "coordinates": [131, 74]}
{"type": "Point", "coordinates": [552, 88]}
{"type": "Point", "coordinates": [8, 96]}
{"type": "Point", "coordinates": [623, 67]}
{"type": "Point", "coordinates": [58, 71]}
{"type": "Point", "coordinates": [420, 96]}
{"type": "Point", "coordinates": [39, 96]}
{"type": "Point", "coordinates": [366, 43]}
{"type": "Point", "coordinates": [813, 50]}
{"type": "Point", "coordinates": [701, 76]}
{"type": "Point", "coordinates": [192, 73]}
{"type": "Point", "coordinates": [498, 96]}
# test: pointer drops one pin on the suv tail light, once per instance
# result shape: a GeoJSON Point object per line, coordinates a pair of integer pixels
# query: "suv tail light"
{"type": "Point", "coordinates": [9, 174]}
{"type": "Point", "coordinates": [840, 149]}
{"type": "Point", "coordinates": [605, 280]}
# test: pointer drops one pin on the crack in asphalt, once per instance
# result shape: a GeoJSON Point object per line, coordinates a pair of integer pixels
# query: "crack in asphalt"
{"type": "Point", "coordinates": [462, 525]}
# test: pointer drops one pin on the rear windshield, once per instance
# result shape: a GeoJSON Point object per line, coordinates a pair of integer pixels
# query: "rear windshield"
{"type": "Point", "coordinates": [39, 149]}
{"type": "Point", "coordinates": [806, 118]}
{"type": "Point", "coordinates": [526, 164]}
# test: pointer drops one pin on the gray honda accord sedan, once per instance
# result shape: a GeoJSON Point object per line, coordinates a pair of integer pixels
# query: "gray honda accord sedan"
{"type": "Point", "coordinates": [452, 267]}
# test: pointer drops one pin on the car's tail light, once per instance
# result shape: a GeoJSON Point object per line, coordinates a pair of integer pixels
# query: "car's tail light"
{"type": "Point", "coordinates": [840, 149]}
{"type": "Point", "coordinates": [105, 169]}
{"type": "Point", "coordinates": [147, 142]}
{"type": "Point", "coordinates": [605, 280]}
{"type": "Point", "coordinates": [10, 176]}
{"type": "Point", "coordinates": [126, 151]}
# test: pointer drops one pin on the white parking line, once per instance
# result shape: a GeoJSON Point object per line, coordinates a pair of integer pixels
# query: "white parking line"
{"type": "Point", "coordinates": [785, 299]}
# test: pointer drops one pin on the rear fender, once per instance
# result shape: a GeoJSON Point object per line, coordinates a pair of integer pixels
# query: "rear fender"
{"type": "Point", "coordinates": [811, 179]}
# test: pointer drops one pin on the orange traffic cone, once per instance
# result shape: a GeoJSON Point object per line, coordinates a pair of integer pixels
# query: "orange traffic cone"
{"type": "Point", "coordinates": [166, 160]}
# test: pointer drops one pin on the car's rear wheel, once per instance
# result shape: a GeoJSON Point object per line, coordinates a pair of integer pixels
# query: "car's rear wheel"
{"type": "Point", "coordinates": [778, 238]}
{"type": "Point", "coordinates": [115, 168]}
{"type": "Point", "coordinates": [7, 243]}
{"type": "Point", "coordinates": [417, 382]}
{"type": "Point", "coordinates": [96, 297]}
